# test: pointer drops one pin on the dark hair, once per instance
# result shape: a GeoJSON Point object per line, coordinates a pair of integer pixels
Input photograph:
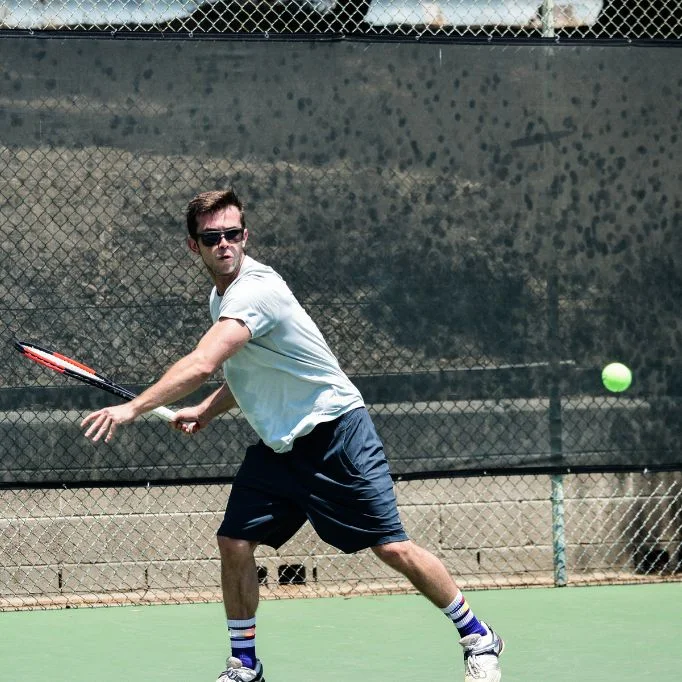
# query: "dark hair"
{"type": "Point", "coordinates": [210, 202]}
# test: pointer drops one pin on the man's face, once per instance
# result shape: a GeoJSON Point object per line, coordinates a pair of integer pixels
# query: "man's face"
{"type": "Point", "coordinates": [222, 253]}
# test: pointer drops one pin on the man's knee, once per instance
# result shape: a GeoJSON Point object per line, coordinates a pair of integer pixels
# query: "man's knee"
{"type": "Point", "coordinates": [235, 550]}
{"type": "Point", "coordinates": [395, 554]}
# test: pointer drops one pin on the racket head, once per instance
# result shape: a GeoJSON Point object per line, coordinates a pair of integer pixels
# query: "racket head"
{"type": "Point", "coordinates": [63, 364]}
{"type": "Point", "coordinates": [51, 359]}
{"type": "Point", "coordinates": [58, 362]}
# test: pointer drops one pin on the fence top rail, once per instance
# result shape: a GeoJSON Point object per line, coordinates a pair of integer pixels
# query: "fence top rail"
{"type": "Point", "coordinates": [465, 19]}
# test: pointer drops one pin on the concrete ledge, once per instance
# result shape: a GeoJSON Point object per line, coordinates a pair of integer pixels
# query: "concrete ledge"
{"type": "Point", "coordinates": [129, 544]}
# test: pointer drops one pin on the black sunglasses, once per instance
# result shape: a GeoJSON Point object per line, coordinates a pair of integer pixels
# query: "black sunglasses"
{"type": "Point", "coordinates": [214, 237]}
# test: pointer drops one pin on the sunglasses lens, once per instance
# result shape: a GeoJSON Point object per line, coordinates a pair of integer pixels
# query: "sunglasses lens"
{"type": "Point", "coordinates": [213, 237]}
{"type": "Point", "coordinates": [233, 236]}
{"type": "Point", "coordinates": [210, 238]}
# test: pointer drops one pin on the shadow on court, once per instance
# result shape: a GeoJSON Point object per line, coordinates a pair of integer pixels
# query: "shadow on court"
{"type": "Point", "coordinates": [601, 634]}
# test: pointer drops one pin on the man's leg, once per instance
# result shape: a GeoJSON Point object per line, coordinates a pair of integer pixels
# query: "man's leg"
{"type": "Point", "coordinates": [238, 577]}
{"type": "Point", "coordinates": [239, 580]}
{"type": "Point", "coordinates": [263, 506]}
{"type": "Point", "coordinates": [427, 573]}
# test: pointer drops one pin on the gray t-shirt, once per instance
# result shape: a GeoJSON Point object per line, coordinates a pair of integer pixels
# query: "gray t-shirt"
{"type": "Point", "coordinates": [285, 379]}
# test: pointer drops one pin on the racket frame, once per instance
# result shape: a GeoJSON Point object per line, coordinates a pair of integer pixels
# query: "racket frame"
{"type": "Point", "coordinates": [77, 370]}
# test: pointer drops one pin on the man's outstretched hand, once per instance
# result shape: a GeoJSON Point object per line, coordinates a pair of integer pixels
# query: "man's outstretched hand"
{"type": "Point", "coordinates": [104, 422]}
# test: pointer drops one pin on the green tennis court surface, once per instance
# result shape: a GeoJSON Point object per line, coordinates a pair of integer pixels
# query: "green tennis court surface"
{"type": "Point", "coordinates": [609, 634]}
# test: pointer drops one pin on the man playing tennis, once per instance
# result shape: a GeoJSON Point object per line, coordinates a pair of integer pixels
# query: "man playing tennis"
{"type": "Point", "coordinates": [318, 458]}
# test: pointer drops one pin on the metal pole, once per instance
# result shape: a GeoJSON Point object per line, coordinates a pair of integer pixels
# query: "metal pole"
{"type": "Point", "coordinates": [547, 15]}
{"type": "Point", "coordinates": [558, 531]}
{"type": "Point", "coordinates": [555, 431]}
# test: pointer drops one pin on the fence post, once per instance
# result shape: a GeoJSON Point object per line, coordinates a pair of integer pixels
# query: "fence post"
{"type": "Point", "coordinates": [558, 531]}
{"type": "Point", "coordinates": [547, 16]}
{"type": "Point", "coordinates": [555, 430]}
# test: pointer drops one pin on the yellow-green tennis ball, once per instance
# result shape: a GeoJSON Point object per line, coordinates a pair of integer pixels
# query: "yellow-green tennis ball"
{"type": "Point", "coordinates": [616, 377]}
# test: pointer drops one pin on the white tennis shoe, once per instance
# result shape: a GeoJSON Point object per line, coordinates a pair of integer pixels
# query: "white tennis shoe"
{"type": "Point", "coordinates": [236, 672]}
{"type": "Point", "coordinates": [481, 656]}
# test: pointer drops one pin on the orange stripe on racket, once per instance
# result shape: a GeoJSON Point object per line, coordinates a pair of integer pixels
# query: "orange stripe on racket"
{"type": "Point", "coordinates": [75, 362]}
{"type": "Point", "coordinates": [42, 361]}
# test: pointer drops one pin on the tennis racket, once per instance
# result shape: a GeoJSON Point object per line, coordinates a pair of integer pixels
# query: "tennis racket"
{"type": "Point", "coordinates": [77, 370]}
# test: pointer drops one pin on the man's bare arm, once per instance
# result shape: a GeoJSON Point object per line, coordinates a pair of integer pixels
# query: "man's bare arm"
{"type": "Point", "coordinates": [218, 402]}
{"type": "Point", "coordinates": [193, 419]}
{"type": "Point", "coordinates": [220, 342]}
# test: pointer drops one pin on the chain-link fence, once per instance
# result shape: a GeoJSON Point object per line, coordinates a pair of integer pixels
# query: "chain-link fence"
{"type": "Point", "coordinates": [156, 544]}
{"type": "Point", "coordinates": [476, 19]}
{"type": "Point", "coordinates": [477, 230]}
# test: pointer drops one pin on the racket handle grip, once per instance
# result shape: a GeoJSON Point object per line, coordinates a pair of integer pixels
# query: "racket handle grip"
{"type": "Point", "coordinates": [164, 413]}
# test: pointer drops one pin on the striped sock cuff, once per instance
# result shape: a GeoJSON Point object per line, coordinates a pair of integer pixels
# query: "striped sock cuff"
{"type": "Point", "coordinates": [459, 611]}
{"type": "Point", "coordinates": [458, 608]}
{"type": "Point", "coordinates": [462, 616]}
{"type": "Point", "coordinates": [242, 632]}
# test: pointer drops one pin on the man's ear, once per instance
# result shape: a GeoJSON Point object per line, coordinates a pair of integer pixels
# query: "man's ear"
{"type": "Point", "coordinates": [192, 244]}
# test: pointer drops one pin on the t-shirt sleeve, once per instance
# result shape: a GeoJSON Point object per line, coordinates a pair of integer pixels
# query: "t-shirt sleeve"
{"type": "Point", "coordinates": [259, 305]}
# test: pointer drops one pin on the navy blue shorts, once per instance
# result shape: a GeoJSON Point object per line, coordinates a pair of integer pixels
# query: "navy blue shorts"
{"type": "Point", "coordinates": [336, 477]}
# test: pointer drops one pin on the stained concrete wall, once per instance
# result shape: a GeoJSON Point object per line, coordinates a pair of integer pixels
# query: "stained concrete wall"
{"type": "Point", "coordinates": [155, 543]}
